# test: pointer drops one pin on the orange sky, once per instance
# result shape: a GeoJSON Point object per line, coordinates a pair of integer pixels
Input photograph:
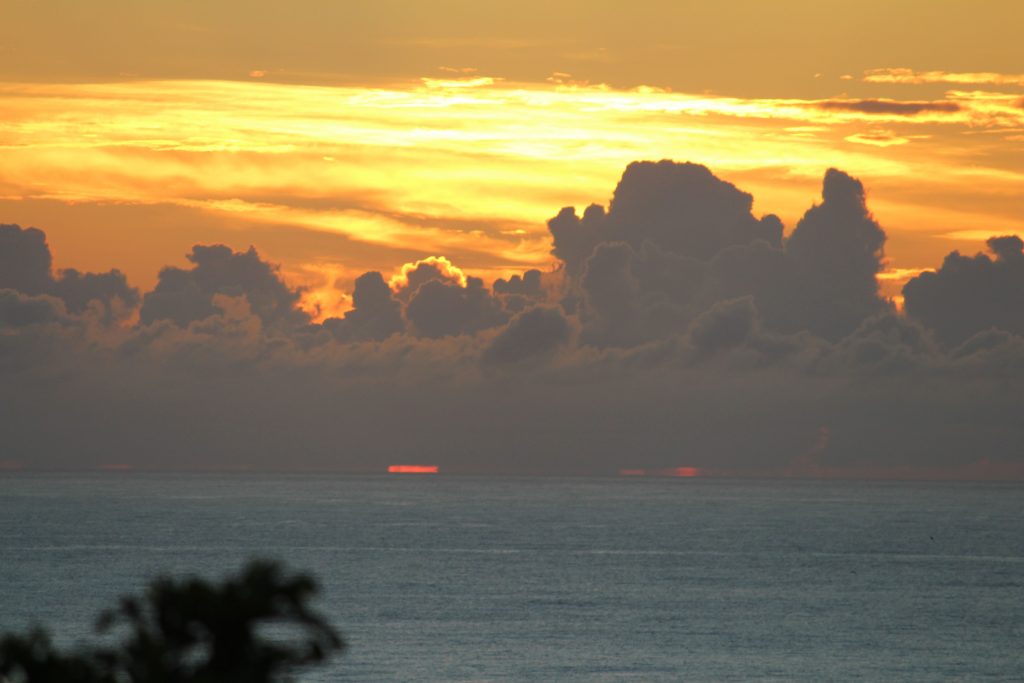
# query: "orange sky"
{"type": "Point", "coordinates": [341, 137]}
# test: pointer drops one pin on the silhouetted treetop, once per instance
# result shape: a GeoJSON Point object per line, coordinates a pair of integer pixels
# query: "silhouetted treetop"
{"type": "Point", "coordinates": [255, 627]}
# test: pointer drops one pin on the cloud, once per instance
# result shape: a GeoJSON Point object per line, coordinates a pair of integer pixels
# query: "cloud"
{"type": "Point", "coordinates": [458, 83]}
{"type": "Point", "coordinates": [684, 209]}
{"type": "Point", "coordinates": [376, 314]}
{"type": "Point", "coordinates": [912, 77]}
{"type": "Point", "coordinates": [882, 106]}
{"type": "Point", "coordinates": [836, 250]}
{"type": "Point", "coordinates": [18, 309]}
{"type": "Point", "coordinates": [440, 309]}
{"type": "Point", "coordinates": [529, 334]}
{"type": "Point", "coordinates": [878, 138]}
{"type": "Point", "coordinates": [528, 284]}
{"type": "Point", "coordinates": [520, 292]}
{"type": "Point", "coordinates": [25, 266]}
{"type": "Point", "coordinates": [184, 296]}
{"type": "Point", "coordinates": [411, 276]}
{"type": "Point", "coordinates": [725, 325]}
{"type": "Point", "coordinates": [378, 169]}
{"type": "Point", "coordinates": [678, 330]}
{"type": "Point", "coordinates": [885, 344]}
{"type": "Point", "coordinates": [25, 260]}
{"type": "Point", "coordinates": [78, 290]}
{"type": "Point", "coordinates": [968, 295]}
{"type": "Point", "coordinates": [676, 240]}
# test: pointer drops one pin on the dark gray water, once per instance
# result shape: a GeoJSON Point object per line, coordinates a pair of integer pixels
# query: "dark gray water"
{"type": "Point", "coordinates": [473, 579]}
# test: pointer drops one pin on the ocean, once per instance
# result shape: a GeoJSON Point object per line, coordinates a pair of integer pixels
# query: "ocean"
{"type": "Point", "coordinates": [445, 578]}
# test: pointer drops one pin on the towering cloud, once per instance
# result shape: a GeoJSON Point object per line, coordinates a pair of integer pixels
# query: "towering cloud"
{"type": "Point", "coordinates": [836, 252]}
{"type": "Point", "coordinates": [676, 240]}
{"type": "Point", "coordinates": [680, 208]}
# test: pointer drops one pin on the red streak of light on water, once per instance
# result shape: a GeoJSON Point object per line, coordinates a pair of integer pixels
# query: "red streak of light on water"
{"type": "Point", "coordinates": [413, 469]}
{"type": "Point", "coordinates": [671, 472]}
{"type": "Point", "coordinates": [684, 472]}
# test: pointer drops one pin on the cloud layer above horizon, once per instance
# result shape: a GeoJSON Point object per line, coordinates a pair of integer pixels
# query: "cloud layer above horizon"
{"type": "Point", "coordinates": [375, 174]}
{"type": "Point", "coordinates": [680, 330]}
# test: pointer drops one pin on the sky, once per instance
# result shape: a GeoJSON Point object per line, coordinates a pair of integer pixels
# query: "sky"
{"type": "Point", "coordinates": [357, 211]}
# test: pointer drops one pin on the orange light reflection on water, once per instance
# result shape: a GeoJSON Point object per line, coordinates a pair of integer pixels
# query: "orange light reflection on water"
{"type": "Point", "coordinates": [664, 472]}
{"type": "Point", "coordinates": [413, 469]}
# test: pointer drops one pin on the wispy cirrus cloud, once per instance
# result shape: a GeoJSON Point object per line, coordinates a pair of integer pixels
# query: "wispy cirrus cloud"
{"type": "Point", "coordinates": [390, 167]}
{"type": "Point", "coordinates": [911, 77]}
{"type": "Point", "coordinates": [877, 138]}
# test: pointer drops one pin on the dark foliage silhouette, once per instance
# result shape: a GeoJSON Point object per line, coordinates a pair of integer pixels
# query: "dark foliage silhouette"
{"type": "Point", "coordinates": [255, 627]}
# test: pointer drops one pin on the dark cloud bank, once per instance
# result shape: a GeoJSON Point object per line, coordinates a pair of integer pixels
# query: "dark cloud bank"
{"type": "Point", "coordinates": [678, 330]}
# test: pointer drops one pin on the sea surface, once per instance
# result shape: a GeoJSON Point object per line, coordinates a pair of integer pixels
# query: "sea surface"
{"type": "Point", "coordinates": [443, 578]}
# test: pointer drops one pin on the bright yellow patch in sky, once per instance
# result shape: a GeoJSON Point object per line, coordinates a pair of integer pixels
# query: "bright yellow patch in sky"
{"type": "Point", "coordinates": [449, 270]}
{"type": "Point", "coordinates": [471, 167]}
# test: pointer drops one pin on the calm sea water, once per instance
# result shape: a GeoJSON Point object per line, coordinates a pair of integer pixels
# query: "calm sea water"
{"type": "Point", "coordinates": [475, 579]}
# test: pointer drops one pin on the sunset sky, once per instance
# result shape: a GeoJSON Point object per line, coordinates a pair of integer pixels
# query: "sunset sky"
{"type": "Point", "coordinates": [342, 137]}
{"type": "Point", "coordinates": [395, 166]}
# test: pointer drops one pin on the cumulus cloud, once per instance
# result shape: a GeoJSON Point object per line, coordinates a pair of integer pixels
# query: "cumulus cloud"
{"type": "Point", "coordinates": [414, 275]}
{"type": "Point", "coordinates": [681, 208]}
{"type": "Point", "coordinates": [184, 296]}
{"type": "Point", "coordinates": [727, 324]}
{"type": "Point", "coordinates": [970, 294]}
{"type": "Point", "coordinates": [676, 330]}
{"type": "Point", "coordinates": [677, 240]}
{"type": "Point", "coordinates": [25, 260]}
{"type": "Point", "coordinates": [836, 250]}
{"type": "Point", "coordinates": [528, 284]}
{"type": "Point", "coordinates": [520, 292]}
{"type": "Point", "coordinates": [26, 266]}
{"type": "Point", "coordinates": [529, 334]}
{"type": "Point", "coordinates": [376, 314]}
{"type": "Point", "coordinates": [440, 309]}
{"type": "Point", "coordinates": [18, 309]}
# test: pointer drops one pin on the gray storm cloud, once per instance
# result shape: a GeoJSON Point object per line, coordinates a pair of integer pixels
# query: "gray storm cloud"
{"type": "Point", "coordinates": [678, 329]}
